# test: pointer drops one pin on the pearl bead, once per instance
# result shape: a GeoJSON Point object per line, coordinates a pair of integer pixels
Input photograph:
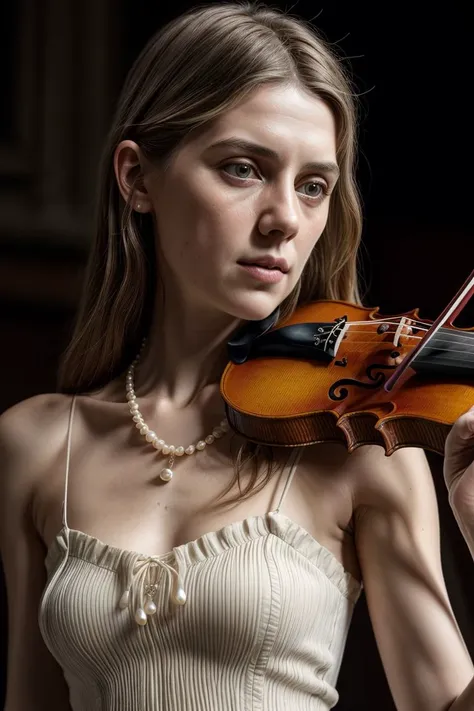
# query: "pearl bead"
{"type": "Point", "coordinates": [150, 607]}
{"type": "Point", "coordinates": [140, 617]}
{"type": "Point", "coordinates": [180, 596]}
{"type": "Point", "coordinates": [166, 474]}
{"type": "Point", "coordinates": [160, 445]}
{"type": "Point", "coordinates": [124, 600]}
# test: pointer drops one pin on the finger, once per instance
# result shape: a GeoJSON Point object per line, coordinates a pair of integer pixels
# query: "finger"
{"type": "Point", "coordinates": [461, 431]}
{"type": "Point", "coordinates": [464, 425]}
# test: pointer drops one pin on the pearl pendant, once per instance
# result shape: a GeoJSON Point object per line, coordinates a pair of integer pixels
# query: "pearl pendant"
{"type": "Point", "coordinates": [123, 603]}
{"type": "Point", "coordinates": [152, 438]}
{"type": "Point", "coordinates": [166, 474]}
{"type": "Point", "coordinates": [140, 617]}
{"type": "Point", "coordinates": [150, 607]}
{"type": "Point", "coordinates": [180, 596]}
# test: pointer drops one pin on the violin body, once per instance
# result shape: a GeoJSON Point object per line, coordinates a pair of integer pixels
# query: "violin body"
{"type": "Point", "coordinates": [320, 376]}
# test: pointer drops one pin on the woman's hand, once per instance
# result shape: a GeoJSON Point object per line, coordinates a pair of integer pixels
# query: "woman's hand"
{"type": "Point", "coordinates": [459, 470]}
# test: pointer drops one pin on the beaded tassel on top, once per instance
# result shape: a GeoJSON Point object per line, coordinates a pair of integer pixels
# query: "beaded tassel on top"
{"type": "Point", "coordinates": [160, 445]}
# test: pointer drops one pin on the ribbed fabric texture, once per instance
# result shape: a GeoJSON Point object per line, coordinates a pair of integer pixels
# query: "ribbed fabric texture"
{"type": "Point", "coordinates": [263, 627]}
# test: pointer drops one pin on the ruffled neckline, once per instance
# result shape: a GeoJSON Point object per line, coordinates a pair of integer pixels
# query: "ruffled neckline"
{"type": "Point", "coordinates": [75, 543]}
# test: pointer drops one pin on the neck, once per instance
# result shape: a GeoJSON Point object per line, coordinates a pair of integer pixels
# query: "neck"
{"type": "Point", "coordinates": [185, 352]}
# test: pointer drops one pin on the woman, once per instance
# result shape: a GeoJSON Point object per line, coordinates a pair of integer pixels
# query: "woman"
{"type": "Point", "coordinates": [171, 583]}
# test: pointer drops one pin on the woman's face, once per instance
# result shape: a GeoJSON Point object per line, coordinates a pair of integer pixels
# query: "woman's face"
{"type": "Point", "coordinates": [219, 206]}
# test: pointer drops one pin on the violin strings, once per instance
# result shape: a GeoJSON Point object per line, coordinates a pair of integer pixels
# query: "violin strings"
{"type": "Point", "coordinates": [451, 336]}
{"type": "Point", "coordinates": [450, 341]}
{"type": "Point", "coordinates": [420, 327]}
{"type": "Point", "coordinates": [396, 321]}
{"type": "Point", "coordinates": [447, 352]}
{"type": "Point", "coordinates": [390, 319]}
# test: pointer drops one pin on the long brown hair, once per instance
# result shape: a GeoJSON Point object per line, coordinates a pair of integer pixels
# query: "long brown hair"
{"type": "Point", "coordinates": [193, 69]}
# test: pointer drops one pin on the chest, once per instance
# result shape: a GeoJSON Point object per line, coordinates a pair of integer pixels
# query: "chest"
{"type": "Point", "coordinates": [115, 494]}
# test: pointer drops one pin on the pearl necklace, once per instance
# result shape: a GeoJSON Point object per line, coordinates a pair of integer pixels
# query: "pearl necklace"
{"type": "Point", "coordinates": [160, 445]}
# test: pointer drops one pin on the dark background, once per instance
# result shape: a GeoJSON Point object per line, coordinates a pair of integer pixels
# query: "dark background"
{"type": "Point", "coordinates": [63, 64]}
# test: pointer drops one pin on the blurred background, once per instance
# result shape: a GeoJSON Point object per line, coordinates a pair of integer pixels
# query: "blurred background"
{"type": "Point", "coordinates": [63, 64]}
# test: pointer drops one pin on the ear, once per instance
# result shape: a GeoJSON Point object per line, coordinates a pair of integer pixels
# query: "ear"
{"type": "Point", "coordinates": [129, 175]}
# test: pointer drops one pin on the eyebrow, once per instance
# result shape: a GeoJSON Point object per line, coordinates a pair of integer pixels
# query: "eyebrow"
{"type": "Point", "coordinates": [265, 152]}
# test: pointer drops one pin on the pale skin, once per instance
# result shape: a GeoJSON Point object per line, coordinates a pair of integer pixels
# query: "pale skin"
{"type": "Point", "coordinates": [114, 495]}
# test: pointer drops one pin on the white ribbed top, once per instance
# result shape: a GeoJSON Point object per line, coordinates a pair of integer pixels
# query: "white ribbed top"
{"type": "Point", "coordinates": [263, 627]}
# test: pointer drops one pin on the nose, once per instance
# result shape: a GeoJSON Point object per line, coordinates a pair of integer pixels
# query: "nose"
{"type": "Point", "coordinates": [279, 216]}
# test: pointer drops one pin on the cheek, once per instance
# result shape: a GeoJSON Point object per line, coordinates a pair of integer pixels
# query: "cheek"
{"type": "Point", "coordinates": [193, 238]}
{"type": "Point", "coordinates": [314, 232]}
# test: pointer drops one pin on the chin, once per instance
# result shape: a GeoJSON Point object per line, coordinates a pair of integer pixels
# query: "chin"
{"type": "Point", "coordinates": [254, 309]}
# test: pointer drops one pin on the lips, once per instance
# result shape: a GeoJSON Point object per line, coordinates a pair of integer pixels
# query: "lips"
{"type": "Point", "coordinates": [267, 262]}
{"type": "Point", "coordinates": [262, 266]}
{"type": "Point", "coordinates": [265, 275]}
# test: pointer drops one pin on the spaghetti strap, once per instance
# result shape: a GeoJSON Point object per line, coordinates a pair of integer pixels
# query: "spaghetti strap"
{"type": "Point", "coordinates": [293, 460]}
{"type": "Point", "coordinates": [68, 457]}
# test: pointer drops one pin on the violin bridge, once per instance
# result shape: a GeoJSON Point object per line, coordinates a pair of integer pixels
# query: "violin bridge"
{"type": "Point", "coordinates": [403, 326]}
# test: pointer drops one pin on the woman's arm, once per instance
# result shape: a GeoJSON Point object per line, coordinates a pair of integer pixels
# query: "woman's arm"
{"type": "Point", "coordinates": [397, 537]}
{"type": "Point", "coordinates": [34, 680]}
{"type": "Point", "coordinates": [459, 477]}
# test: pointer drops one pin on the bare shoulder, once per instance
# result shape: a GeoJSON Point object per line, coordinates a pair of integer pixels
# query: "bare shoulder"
{"type": "Point", "coordinates": [44, 405]}
{"type": "Point", "coordinates": [372, 481]}
{"type": "Point", "coordinates": [401, 480]}
{"type": "Point", "coordinates": [32, 434]}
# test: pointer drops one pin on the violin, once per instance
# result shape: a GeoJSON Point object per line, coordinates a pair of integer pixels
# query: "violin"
{"type": "Point", "coordinates": [335, 371]}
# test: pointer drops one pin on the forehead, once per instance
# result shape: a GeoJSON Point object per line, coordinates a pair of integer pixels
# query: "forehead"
{"type": "Point", "coordinates": [284, 118]}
